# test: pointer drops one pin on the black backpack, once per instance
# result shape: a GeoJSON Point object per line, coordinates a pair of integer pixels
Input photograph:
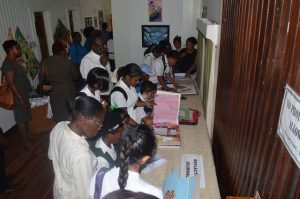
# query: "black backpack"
{"type": "Point", "coordinates": [121, 90]}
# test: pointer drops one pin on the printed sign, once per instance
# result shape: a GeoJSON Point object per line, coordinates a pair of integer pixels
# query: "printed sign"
{"type": "Point", "coordinates": [192, 165]}
{"type": "Point", "coordinates": [289, 123]}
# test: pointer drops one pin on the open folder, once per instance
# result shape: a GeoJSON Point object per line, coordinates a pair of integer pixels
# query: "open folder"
{"type": "Point", "coordinates": [165, 119]}
{"type": "Point", "coordinates": [166, 110]}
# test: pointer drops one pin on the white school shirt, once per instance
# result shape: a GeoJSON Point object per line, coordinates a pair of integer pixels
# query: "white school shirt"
{"type": "Point", "coordinates": [134, 183]}
{"type": "Point", "coordinates": [73, 163]}
{"type": "Point", "coordinates": [158, 69]}
{"type": "Point", "coordinates": [139, 111]}
{"type": "Point", "coordinates": [87, 91]}
{"type": "Point", "coordinates": [119, 99]}
{"type": "Point", "coordinates": [90, 61]}
{"type": "Point", "coordinates": [102, 162]}
{"type": "Point", "coordinates": [148, 59]}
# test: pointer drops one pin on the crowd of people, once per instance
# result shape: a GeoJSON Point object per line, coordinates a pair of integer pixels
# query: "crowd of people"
{"type": "Point", "coordinates": [103, 136]}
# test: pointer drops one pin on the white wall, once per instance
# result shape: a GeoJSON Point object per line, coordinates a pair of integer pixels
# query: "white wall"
{"type": "Point", "coordinates": [214, 8]}
{"type": "Point", "coordinates": [89, 8]}
{"type": "Point", "coordinates": [19, 13]}
{"type": "Point", "coordinates": [129, 15]}
{"type": "Point", "coordinates": [192, 10]}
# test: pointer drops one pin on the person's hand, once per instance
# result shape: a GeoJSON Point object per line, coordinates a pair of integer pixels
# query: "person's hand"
{"type": "Point", "coordinates": [169, 194]}
{"type": "Point", "coordinates": [23, 103]}
{"type": "Point", "coordinates": [104, 60]}
{"type": "Point", "coordinates": [104, 104]}
{"type": "Point", "coordinates": [150, 103]}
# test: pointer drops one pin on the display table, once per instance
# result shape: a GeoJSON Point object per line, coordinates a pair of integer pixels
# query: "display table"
{"type": "Point", "coordinates": [41, 116]}
{"type": "Point", "coordinates": [194, 140]}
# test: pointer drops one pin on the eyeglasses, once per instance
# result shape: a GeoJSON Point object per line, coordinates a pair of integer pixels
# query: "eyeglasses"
{"type": "Point", "coordinates": [97, 123]}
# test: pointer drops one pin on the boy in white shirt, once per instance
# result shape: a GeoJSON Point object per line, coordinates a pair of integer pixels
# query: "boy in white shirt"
{"type": "Point", "coordinates": [161, 68]}
{"type": "Point", "coordinates": [155, 52]}
{"type": "Point", "coordinates": [143, 114]}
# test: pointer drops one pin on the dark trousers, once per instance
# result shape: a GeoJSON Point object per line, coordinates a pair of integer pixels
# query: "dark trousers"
{"type": "Point", "coordinates": [2, 169]}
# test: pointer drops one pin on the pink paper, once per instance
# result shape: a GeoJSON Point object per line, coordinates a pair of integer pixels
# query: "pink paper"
{"type": "Point", "coordinates": [166, 110]}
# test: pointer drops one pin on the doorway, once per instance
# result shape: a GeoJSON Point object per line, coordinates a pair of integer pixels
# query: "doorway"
{"type": "Point", "coordinates": [41, 33]}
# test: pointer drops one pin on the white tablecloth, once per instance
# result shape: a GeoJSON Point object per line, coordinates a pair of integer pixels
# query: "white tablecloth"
{"type": "Point", "coordinates": [40, 101]}
{"type": "Point", "coordinates": [194, 140]}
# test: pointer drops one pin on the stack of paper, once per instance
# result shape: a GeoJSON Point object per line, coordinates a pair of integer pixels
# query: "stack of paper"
{"type": "Point", "coordinates": [166, 119]}
{"type": "Point", "coordinates": [166, 110]}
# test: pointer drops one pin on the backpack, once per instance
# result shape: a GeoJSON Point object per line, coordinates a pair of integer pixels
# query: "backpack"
{"type": "Point", "coordinates": [121, 90]}
{"type": "Point", "coordinates": [99, 182]}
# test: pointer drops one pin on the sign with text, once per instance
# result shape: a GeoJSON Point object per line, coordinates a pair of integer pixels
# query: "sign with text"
{"type": "Point", "coordinates": [192, 165]}
{"type": "Point", "coordinates": [289, 123]}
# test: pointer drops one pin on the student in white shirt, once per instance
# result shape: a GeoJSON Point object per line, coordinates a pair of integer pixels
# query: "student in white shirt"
{"type": "Point", "coordinates": [97, 57]}
{"type": "Point", "coordinates": [143, 114]}
{"type": "Point", "coordinates": [97, 82]}
{"type": "Point", "coordinates": [155, 52]}
{"type": "Point", "coordinates": [138, 145]}
{"type": "Point", "coordinates": [110, 134]}
{"type": "Point", "coordinates": [161, 68]}
{"type": "Point", "coordinates": [124, 95]}
{"type": "Point", "coordinates": [177, 43]}
{"type": "Point", "coordinates": [72, 160]}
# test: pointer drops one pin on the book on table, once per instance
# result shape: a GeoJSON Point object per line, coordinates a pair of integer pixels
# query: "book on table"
{"type": "Point", "coordinates": [188, 116]}
{"type": "Point", "coordinates": [189, 87]}
{"type": "Point", "coordinates": [166, 119]}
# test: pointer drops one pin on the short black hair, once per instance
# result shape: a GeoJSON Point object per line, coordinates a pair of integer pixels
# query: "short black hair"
{"type": "Point", "coordinates": [148, 86]}
{"type": "Point", "coordinates": [57, 47]}
{"type": "Point", "coordinates": [177, 38]}
{"type": "Point", "coordinates": [8, 45]}
{"type": "Point", "coordinates": [87, 32]}
{"type": "Point", "coordinates": [98, 76]}
{"type": "Point", "coordinates": [132, 70]}
{"type": "Point", "coordinates": [173, 54]}
{"type": "Point", "coordinates": [95, 37]}
{"type": "Point", "coordinates": [75, 34]}
{"type": "Point", "coordinates": [84, 105]}
{"type": "Point", "coordinates": [156, 48]}
{"type": "Point", "coordinates": [165, 45]}
{"type": "Point", "coordinates": [193, 40]}
{"type": "Point", "coordinates": [104, 26]}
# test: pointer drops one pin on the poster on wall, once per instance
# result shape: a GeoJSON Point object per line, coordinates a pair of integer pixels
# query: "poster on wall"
{"type": "Point", "coordinates": [155, 10]}
{"type": "Point", "coordinates": [289, 123]}
{"type": "Point", "coordinates": [153, 34]}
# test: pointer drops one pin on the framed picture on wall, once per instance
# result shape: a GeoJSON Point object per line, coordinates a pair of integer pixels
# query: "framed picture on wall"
{"type": "Point", "coordinates": [88, 21]}
{"type": "Point", "coordinates": [155, 10]}
{"type": "Point", "coordinates": [153, 34]}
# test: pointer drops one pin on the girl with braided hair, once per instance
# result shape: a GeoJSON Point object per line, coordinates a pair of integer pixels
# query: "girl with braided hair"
{"type": "Point", "coordinates": [138, 145]}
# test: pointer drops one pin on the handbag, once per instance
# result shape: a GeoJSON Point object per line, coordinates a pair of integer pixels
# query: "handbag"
{"type": "Point", "coordinates": [45, 86]}
{"type": "Point", "coordinates": [6, 95]}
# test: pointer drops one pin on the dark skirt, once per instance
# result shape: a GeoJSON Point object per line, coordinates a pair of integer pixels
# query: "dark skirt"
{"type": "Point", "coordinates": [22, 114]}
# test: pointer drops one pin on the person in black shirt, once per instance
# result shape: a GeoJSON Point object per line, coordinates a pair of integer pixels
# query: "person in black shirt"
{"type": "Point", "coordinates": [186, 63]}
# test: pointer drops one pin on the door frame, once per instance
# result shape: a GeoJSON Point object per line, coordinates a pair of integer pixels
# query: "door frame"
{"type": "Point", "coordinates": [76, 18]}
{"type": "Point", "coordinates": [48, 29]}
